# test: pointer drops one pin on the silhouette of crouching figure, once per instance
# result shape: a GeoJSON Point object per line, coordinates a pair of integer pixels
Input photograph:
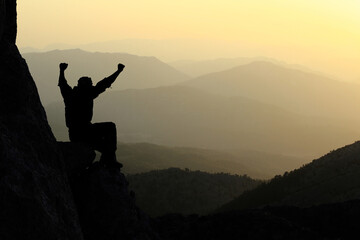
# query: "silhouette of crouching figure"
{"type": "Point", "coordinates": [79, 103]}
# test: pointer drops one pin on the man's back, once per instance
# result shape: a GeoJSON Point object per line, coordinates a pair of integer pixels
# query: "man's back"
{"type": "Point", "coordinates": [79, 107]}
{"type": "Point", "coordinates": [79, 101]}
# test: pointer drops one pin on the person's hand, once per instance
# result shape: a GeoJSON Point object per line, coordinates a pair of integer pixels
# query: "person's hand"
{"type": "Point", "coordinates": [63, 66]}
{"type": "Point", "coordinates": [121, 67]}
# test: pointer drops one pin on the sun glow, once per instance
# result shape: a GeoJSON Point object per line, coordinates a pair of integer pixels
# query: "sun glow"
{"type": "Point", "coordinates": [323, 34]}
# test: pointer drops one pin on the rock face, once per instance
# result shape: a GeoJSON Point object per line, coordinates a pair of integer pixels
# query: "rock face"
{"type": "Point", "coordinates": [107, 210]}
{"type": "Point", "coordinates": [77, 157]}
{"type": "Point", "coordinates": [36, 200]}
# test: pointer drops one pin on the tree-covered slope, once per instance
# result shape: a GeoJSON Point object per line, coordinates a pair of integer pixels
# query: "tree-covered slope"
{"type": "Point", "coordinates": [182, 191]}
{"type": "Point", "coordinates": [329, 179]}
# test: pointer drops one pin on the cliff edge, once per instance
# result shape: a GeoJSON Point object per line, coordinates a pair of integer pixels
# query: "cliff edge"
{"type": "Point", "coordinates": [37, 175]}
{"type": "Point", "coordinates": [36, 200]}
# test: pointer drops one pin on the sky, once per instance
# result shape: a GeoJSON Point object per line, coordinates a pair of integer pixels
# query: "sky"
{"type": "Point", "coordinates": [323, 35]}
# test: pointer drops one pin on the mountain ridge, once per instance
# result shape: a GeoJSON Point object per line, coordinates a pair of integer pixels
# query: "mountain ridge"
{"type": "Point", "coordinates": [329, 179]}
{"type": "Point", "coordinates": [140, 71]}
{"type": "Point", "coordinates": [294, 90]}
{"type": "Point", "coordinates": [204, 67]}
{"type": "Point", "coordinates": [182, 116]}
{"type": "Point", "coordinates": [144, 157]}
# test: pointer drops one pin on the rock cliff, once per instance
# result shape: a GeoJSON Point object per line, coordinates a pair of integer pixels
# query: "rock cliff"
{"type": "Point", "coordinates": [37, 175]}
{"type": "Point", "coordinates": [36, 200]}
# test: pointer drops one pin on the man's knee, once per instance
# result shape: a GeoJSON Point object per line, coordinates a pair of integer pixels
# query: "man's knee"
{"type": "Point", "coordinates": [106, 131]}
{"type": "Point", "coordinates": [105, 126]}
{"type": "Point", "coordinates": [111, 125]}
{"type": "Point", "coordinates": [79, 134]}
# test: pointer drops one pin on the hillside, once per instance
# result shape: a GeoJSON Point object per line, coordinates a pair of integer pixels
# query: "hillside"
{"type": "Point", "coordinates": [144, 157]}
{"type": "Point", "coordinates": [182, 116]}
{"type": "Point", "coordinates": [187, 192]}
{"type": "Point", "coordinates": [329, 179]}
{"type": "Point", "coordinates": [199, 68]}
{"type": "Point", "coordinates": [164, 49]}
{"type": "Point", "coordinates": [140, 72]}
{"type": "Point", "coordinates": [294, 90]}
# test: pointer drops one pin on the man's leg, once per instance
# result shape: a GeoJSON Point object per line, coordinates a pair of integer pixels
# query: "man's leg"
{"type": "Point", "coordinates": [81, 134]}
{"type": "Point", "coordinates": [104, 138]}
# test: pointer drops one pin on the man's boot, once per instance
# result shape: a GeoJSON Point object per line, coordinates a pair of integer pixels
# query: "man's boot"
{"type": "Point", "coordinates": [109, 160]}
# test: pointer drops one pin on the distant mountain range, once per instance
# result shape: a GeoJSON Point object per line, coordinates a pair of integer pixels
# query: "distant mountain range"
{"type": "Point", "coordinates": [140, 72]}
{"type": "Point", "coordinates": [294, 90]}
{"type": "Point", "coordinates": [199, 68]}
{"type": "Point", "coordinates": [269, 82]}
{"type": "Point", "coordinates": [329, 179]}
{"type": "Point", "coordinates": [261, 106]}
{"type": "Point", "coordinates": [164, 49]}
{"type": "Point", "coordinates": [183, 116]}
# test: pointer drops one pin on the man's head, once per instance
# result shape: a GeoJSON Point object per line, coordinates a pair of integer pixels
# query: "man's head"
{"type": "Point", "coordinates": [85, 82]}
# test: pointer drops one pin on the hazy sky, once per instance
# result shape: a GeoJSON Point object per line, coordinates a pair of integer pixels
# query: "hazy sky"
{"type": "Point", "coordinates": [321, 34]}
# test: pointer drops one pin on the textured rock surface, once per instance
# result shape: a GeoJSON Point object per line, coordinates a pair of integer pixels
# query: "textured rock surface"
{"type": "Point", "coordinates": [77, 157]}
{"type": "Point", "coordinates": [106, 207]}
{"type": "Point", "coordinates": [36, 200]}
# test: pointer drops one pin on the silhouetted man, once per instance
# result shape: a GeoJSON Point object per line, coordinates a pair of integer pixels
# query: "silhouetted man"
{"type": "Point", "coordinates": [79, 103]}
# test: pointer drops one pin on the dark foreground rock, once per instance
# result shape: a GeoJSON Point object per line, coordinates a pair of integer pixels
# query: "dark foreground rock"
{"type": "Point", "coordinates": [77, 157]}
{"type": "Point", "coordinates": [106, 208]}
{"type": "Point", "coordinates": [35, 196]}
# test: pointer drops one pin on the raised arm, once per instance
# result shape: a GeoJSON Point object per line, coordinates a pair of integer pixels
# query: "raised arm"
{"type": "Point", "coordinates": [102, 85]}
{"type": "Point", "coordinates": [64, 86]}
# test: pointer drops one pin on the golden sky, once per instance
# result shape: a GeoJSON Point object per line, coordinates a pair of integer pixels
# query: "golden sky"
{"type": "Point", "coordinates": [321, 34]}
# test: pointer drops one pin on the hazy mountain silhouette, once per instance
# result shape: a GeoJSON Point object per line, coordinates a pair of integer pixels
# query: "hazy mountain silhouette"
{"type": "Point", "coordinates": [144, 157]}
{"type": "Point", "coordinates": [294, 90]}
{"type": "Point", "coordinates": [188, 192]}
{"type": "Point", "coordinates": [199, 68]}
{"type": "Point", "coordinates": [329, 179]}
{"type": "Point", "coordinates": [141, 72]}
{"type": "Point", "coordinates": [165, 49]}
{"type": "Point", "coordinates": [182, 116]}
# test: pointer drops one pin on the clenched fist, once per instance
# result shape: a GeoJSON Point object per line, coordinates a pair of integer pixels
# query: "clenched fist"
{"type": "Point", "coordinates": [63, 66]}
{"type": "Point", "coordinates": [121, 67]}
